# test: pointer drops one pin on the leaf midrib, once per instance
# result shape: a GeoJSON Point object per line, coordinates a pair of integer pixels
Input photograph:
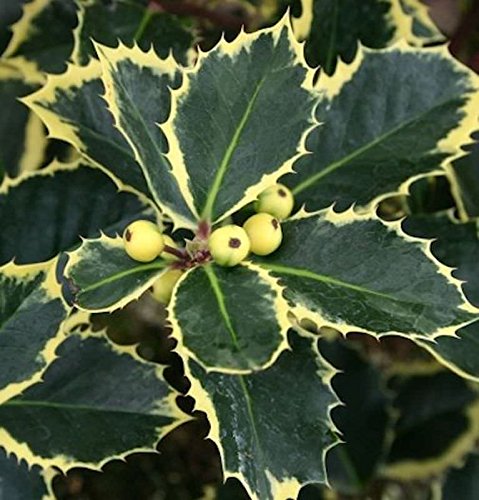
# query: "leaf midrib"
{"type": "Point", "coordinates": [363, 149]}
{"type": "Point", "coordinates": [223, 167]}
{"type": "Point", "coordinates": [69, 406]}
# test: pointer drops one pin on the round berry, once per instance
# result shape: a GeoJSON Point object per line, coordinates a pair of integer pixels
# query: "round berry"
{"type": "Point", "coordinates": [229, 245]}
{"type": "Point", "coordinates": [276, 200]}
{"type": "Point", "coordinates": [264, 233]}
{"type": "Point", "coordinates": [143, 241]}
{"type": "Point", "coordinates": [165, 284]}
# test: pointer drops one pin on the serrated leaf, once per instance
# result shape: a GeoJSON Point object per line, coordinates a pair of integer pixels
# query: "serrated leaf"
{"type": "Point", "coordinates": [464, 177]}
{"type": "Point", "coordinates": [355, 272]}
{"type": "Point", "coordinates": [462, 482]}
{"type": "Point", "coordinates": [68, 421]}
{"type": "Point", "coordinates": [438, 424]}
{"type": "Point", "coordinates": [273, 440]}
{"type": "Point", "coordinates": [333, 29]}
{"type": "Point", "coordinates": [73, 110]}
{"type": "Point", "coordinates": [457, 245]}
{"type": "Point", "coordinates": [362, 419]}
{"type": "Point", "coordinates": [129, 21]}
{"type": "Point", "coordinates": [22, 133]}
{"type": "Point", "coordinates": [388, 118]}
{"type": "Point", "coordinates": [31, 325]}
{"type": "Point", "coordinates": [43, 37]}
{"type": "Point", "coordinates": [101, 277]}
{"type": "Point", "coordinates": [230, 319]}
{"type": "Point", "coordinates": [47, 212]}
{"type": "Point", "coordinates": [216, 132]}
{"type": "Point", "coordinates": [138, 87]}
{"type": "Point", "coordinates": [19, 482]}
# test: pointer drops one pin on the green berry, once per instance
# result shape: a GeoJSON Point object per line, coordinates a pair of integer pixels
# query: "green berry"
{"type": "Point", "coordinates": [165, 284]}
{"type": "Point", "coordinates": [276, 200]}
{"type": "Point", "coordinates": [264, 233]}
{"type": "Point", "coordinates": [229, 245]}
{"type": "Point", "coordinates": [143, 241]}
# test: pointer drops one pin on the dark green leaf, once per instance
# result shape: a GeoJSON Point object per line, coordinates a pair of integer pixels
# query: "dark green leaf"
{"type": "Point", "coordinates": [230, 319]}
{"type": "Point", "coordinates": [388, 117]}
{"type": "Point", "coordinates": [362, 419]}
{"type": "Point", "coordinates": [436, 425]}
{"type": "Point", "coordinates": [18, 481]}
{"type": "Point", "coordinates": [97, 402]}
{"type": "Point", "coordinates": [100, 276]}
{"type": "Point", "coordinates": [356, 272]}
{"type": "Point", "coordinates": [10, 12]}
{"type": "Point", "coordinates": [239, 119]}
{"type": "Point", "coordinates": [72, 108]}
{"type": "Point", "coordinates": [128, 21]}
{"type": "Point", "coordinates": [138, 87]}
{"type": "Point", "coordinates": [46, 213]}
{"type": "Point", "coordinates": [31, 317]}
{"type": "Point", "coordinates": [462, 483]}
{"type": "Point", "coordinates": [272, 427]}
{"type": "Point", "coordinates": [22, 134]}
{"type": "Point", "coordinates": [44, 35]}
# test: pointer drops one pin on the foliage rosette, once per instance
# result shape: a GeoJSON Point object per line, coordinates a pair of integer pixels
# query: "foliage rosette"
{"type": "Point", "coordinates": [193, 147]}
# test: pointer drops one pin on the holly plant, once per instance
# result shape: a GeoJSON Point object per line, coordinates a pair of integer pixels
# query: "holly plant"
{"type": "Point", "coordinates": [243, 187]}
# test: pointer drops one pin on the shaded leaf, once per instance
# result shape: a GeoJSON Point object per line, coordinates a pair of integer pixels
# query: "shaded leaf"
{"type": "Point", "coordinates": [389, 117]}
{"type": "Point", "coordinates": [457, 245]}
{"type": "Point", "coordinates": [101, 277]}
{"type": "Point", "coordinates": [462, 482]}
{"type": "Point", "coordinates": [362, 419]}
{"type": "Point", "coordinates": [437, 425]}
{"type": "Point", "coordinates": [219, 144]}
{"type": "Point", "coordinates": [19, 482]}
{"type": "Point", "coordinates": [10, 12]}
{"type": "Point", "coordinates": [43, 37]}
{"type": "Point", "coordinates": [273, 440]}
{"type": "Point", "coordinates": [129, 21]}
{"type": "Point", "coordinates": [138, 87]}
{"type": "Point", "coordinates": [230, 319]}
{"type": "Point", "coordinates": [31, 317]}
{"type": "Point", "coordinates": [22, 133]}
{"type": "Point", "coordinates": [355, 272]}
{"type": "Point", "coordinates": [73, 110]}
{"type": "Point", "coordinates": [68, 421]}
{"type": "Point", "coordinates": [45, 213]}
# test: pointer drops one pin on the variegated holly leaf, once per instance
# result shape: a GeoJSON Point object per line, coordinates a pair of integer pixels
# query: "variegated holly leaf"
{"type": "Point", "coordinates": [130, 21]}
{"type": "Point", "coordinates": [10, 12]}
{"type": "Point", "coordinates": [20, 482]}
{"type": "Point", "coordinates": [138, 87]}
{"type": "Point", "coordinates": [357, 273]}
{"type": "Point", "coordinates": [462, 482]}
{"type": "Point", "coordinates": [230, 319]}
{"type": "Point", "coordinates": [73, 110]}
{"type": "Point", "coordinates": [438, 423]}
{"type": "Point", "coordinates": [457, 245]}
{"type": "Point", "coordinates": [238, 120]}
{"type": "Point", "coordinates": [333, 29]}
{"type": "Point", "coordinates": [273, 440]}
{"type": "Point", "coordinates": [101, 277]}
{"type": "Point", "coordinates": [363, 419]}
{"type": "Point", "coordinates": [43, 37]}
{"type": "Point", "coordinates": [67, 421]}
{"type": "Point", "coordinates": [464, 177]}
{"type": "Point", "coordinates": [388, 118]}
{"type": "Point", "coordinates": [22, 134]}
{"type": "Point", "coordinates": [32, 313]}
{"type": "Point", "coordinates": [46, 212]}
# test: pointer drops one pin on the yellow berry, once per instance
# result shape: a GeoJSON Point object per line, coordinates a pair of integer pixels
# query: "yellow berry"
{"type": "Point", "coordinates": [276, 200]}
{"type": "Point", "coordinates": [169, 241]}
{"type": "Point", "coordinates": [165, 284]}
{"type": "Point", "coordinates": [143, 241]}
{"type": "Point", "coordinates": [229, 245]}
{"type": "Point", "coordinates": [264, 233]}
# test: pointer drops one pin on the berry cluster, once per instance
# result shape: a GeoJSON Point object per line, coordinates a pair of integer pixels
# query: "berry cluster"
{"type": "Point", "coordinates": [228, 245]}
